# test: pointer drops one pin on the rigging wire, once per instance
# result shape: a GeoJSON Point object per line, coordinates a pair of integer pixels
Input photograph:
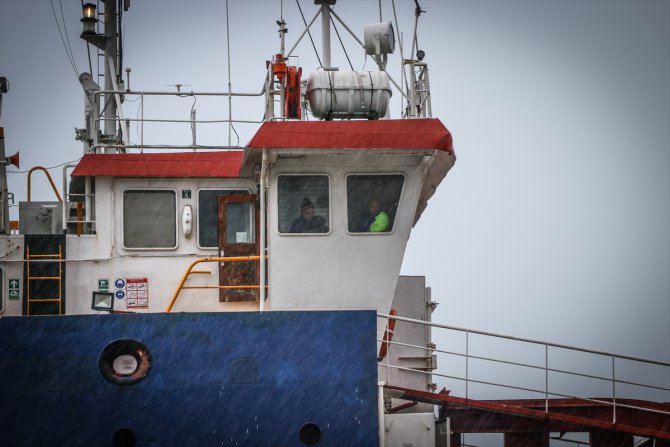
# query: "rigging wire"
{"type": "Point", "coordinates": [67, 37]}
{"type": "Point", "coordinates": [309, 33]}
{"type": "Point", "coordinates": [50, 167]}
{"type": "Point", "coordinates": [70, 58]}
{"type": "Point", "coordinates": [340, 39]}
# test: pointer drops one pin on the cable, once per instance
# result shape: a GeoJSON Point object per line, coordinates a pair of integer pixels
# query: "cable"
{"type": "Point", "coordinates": [50, 167]}
{"type": "Point", "coordinates": [309, 33]}
{"type": "Point", "coordinates": [63, 39]}
{"type": "Point", "coordinates": [340, 39]}
{"type": "Point", "coordinates": [67, 37]}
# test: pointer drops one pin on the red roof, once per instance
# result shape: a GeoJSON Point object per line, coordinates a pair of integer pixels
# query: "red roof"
{"type": "Point", "coordinates": [378, 134]}
{"type": "Point", "coordinates": [177, 164]}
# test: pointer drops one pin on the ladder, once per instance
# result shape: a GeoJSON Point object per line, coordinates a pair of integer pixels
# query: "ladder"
{"type": "Point", "coordinates": [57, 258]}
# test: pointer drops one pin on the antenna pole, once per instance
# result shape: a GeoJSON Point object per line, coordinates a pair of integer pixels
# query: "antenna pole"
{"type": "Point", "coordinates": [110, 54]}
{"type": "Point", "coordinates": [325, 31]}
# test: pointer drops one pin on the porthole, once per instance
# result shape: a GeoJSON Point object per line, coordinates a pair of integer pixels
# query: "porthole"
{"type": "Point", "coordinates": [310, 434]}
{"type": "Point", "coordinates": [123, 438]}
{"type": "Point", "coordinates": [125, 362]}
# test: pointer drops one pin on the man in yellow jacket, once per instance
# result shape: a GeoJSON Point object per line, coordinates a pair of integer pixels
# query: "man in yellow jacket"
{"type": "Point", "coordinates": [380, 222]}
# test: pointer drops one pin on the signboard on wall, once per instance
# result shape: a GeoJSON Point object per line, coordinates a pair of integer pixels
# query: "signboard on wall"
{"type": "Point", "coordinates": [137, 293]}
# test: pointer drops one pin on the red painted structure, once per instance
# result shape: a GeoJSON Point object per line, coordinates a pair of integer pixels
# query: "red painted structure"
{"type": "Point", "coordinates": [528, 422]}
{"type": "Point", "coordinates": [427, 133]}
{"type": "Point", "coordinates": [222, 164]}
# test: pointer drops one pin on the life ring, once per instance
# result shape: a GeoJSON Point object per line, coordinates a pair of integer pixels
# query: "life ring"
{"type": "Point", "coordinates": [292, 97]}
{"type": "Point", "coordinates": [388, 335]}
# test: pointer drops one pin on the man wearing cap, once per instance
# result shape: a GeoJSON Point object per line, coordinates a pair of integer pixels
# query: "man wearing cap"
{"type": "Point", "coordinates": [307, 222]}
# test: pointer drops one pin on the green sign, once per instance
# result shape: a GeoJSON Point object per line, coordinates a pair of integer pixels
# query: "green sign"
{"type": "Point", "coordinates": [14, 287]}
{"type": "Point", "coordinates": [185, 193]}
{"type": "Point", "coordinates": [103, 285]}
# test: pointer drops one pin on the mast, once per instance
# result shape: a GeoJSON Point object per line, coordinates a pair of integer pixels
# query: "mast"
{"type": "Point", "coordinates": [108, 42]}
{"type": "Point", "coordinates": [109, 112]}
{"type": "Point", "coordinates": [325, 30]}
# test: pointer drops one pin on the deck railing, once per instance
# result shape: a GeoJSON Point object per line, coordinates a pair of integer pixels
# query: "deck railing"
{"type": "Point", "coordinates": [190, 271]}
{"type": "Point", "coordinates": [554, 377]}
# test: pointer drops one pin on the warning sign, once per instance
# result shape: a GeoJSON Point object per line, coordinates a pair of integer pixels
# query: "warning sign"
{"type": "Point", "coordinates": [137, 293]}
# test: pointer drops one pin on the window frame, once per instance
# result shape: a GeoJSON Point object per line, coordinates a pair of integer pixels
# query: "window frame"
{"type": "Point", "coordinates": [176, 217]}
{"type": "Point", "coordinates": [330, 202]}
{"type": "Point", "coordinates": [197, 211]}
{"type": "Point", "coordinates": [346, 202]}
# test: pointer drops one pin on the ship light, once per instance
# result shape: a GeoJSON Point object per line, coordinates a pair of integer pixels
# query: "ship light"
{"type": "Point", "coordinates": [89, 20]}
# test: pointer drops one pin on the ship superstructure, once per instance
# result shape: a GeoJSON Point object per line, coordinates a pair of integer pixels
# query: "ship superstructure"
{"type": "Point", "coordinates": [250, 296]}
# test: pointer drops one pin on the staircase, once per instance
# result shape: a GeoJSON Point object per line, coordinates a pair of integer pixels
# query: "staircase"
{"type": "Point", "coordinates": [44, 273]}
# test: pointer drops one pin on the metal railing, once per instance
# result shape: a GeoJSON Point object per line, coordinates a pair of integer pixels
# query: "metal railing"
{"type": "Point", "coordinates": [546, 365]}
{"type": "Point", "coordinates": [190, 271]}
{"type": "Point", "coordinates": [53, 186]}
{"type": "Point", "coordinates": [140, 120]}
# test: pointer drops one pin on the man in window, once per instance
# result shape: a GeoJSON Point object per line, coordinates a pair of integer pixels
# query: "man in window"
{"type": "Point", "coordinates": [379, 221]}
{"type": "Point", "coordinates": [308, 222]}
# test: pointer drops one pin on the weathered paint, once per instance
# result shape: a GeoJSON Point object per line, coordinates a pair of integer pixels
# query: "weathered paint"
{"type": "Point", "coordinates": [215, 379]}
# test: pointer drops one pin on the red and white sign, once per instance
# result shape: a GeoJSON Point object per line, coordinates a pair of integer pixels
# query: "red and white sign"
{"type": "Point", "coordinates": [137, 293]}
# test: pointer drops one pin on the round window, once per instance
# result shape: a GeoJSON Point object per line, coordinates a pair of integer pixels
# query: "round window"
{"type": "Point", "coordinates": [124, 362]}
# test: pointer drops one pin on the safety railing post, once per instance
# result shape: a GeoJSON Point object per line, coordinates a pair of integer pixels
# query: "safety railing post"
{"type": "Point", "coordinates": [142, 123]}
{"type": "Point", "coordinates": [546, 378]}
{"type": "Point", "coordinates": [467, 358]}
{"type": "Point", "coordinates": [380, 413]}
{"type": "Point", "coordinates": [613, 392]}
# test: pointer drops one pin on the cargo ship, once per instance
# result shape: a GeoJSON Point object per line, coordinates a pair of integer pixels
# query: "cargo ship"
{"type": "Point", "coordinates": [181, 294]}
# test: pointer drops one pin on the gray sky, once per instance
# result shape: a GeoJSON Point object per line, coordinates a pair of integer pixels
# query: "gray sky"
{"type": "Point", "coordinates": [554, 223]}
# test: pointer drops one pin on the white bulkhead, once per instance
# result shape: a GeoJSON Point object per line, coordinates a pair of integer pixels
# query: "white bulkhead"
{"type": "Point", "coordinates": [345, 266]}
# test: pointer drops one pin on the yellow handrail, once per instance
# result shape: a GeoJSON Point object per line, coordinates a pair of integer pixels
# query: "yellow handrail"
{"type": "Point", "coordinates": [30, 173]}
{"type": "Point", "coordinates": [198, 261]}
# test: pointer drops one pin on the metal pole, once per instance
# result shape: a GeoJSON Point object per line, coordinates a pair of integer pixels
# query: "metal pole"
{"type": "Point", "coordinates": [142, 122]}
{"type": "Point", "coordinates": [230, 99]}
{"type": "Point", "coordinates": [325, 30]}
{"type": "Point", "coordinates": [193, 121]}
{"type": "Point", "coordinates": [65, 196]}
{"type": "Point", "coordinates": [380, 413]}
{"type": "Point", "coordinates": [110, 53]}
{"type": "Point", "coordinates": [546, 378]}
{"type": "Point", "coordinates": [4, 202]}
{"type": "Point", "coordinates": [467, 356]}
{"type": "Point", "coordinates": [613, 393]}
{"type": "Point", "coordinates": [88, 201]}
{"type": "Point", "coordinates": [261, 294]}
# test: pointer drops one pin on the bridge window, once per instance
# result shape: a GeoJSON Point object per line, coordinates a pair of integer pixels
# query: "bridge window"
{"type": "Point", "coordinates": [303, 203]}
{"type": "Point", "coordinates": [208, 203]}
{"type": "Point", "coordinates": [149, 219]}
{"type": "Point", "coordinates": [372, 202]}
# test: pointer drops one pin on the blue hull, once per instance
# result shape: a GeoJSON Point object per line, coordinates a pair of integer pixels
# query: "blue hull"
{"type": "Point", "coordinates": [214, 379]}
